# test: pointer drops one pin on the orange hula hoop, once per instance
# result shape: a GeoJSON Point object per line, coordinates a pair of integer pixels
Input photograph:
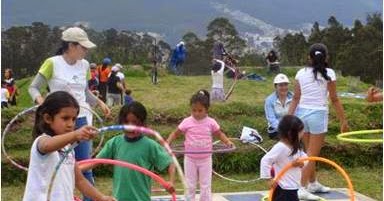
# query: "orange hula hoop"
{"type": "Point", "coordinates": [314, 158]}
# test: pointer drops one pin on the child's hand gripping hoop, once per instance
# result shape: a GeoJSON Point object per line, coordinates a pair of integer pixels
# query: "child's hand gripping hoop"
{"type": "Point", "coordinates": [344, 136]}
{"type": "Point", "coordinates": [320, 159]}
{"type": "Point", "coordinates": [31, 111]}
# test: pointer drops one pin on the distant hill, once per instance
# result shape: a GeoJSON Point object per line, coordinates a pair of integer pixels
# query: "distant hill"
{"type": "Point", "coordinates": [172, 19]}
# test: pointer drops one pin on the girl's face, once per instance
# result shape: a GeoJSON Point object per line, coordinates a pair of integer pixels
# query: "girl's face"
{"type": "Point", "coordinates": [63, 122]}
{"type": "Point", "coordinates": [7, 74]}
{"type": "Point", "coordinates": [282, 88]}
{"type": "Point", "coordinates": [199, 111]}
{"type": "Point", "coordinates": [131, 119]}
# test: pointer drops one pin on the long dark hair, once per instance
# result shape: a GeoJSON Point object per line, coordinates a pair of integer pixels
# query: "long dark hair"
{"type": "Point", "coordinates": [52, 106]}
{"type": "Point", "coordinates": [289, 128]}
{"type": "Point", "coordinates": [318, 54]}
{"type": "Point", "coordinates": [136, 108]}
{"type": "Point", "coordinates": [202, 97]}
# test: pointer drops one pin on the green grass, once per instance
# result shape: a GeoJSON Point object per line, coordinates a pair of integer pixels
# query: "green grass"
{"type": "Point", "coordinates": [168, 103]}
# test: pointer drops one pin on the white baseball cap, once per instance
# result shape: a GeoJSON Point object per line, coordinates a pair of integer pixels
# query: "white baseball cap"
{"type": "Point", "coordinates": [280, 78]}
{"type": "Point", "coordinates": [76, 34]}
{"type": "Point", "coordinates": [115, 69]}
{"type": "Point", "coordinates": [118, 65]}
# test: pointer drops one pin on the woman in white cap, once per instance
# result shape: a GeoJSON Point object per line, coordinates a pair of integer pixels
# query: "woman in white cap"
{"type": "Point", "coordinates": [69, 71]}
{"type": "Point", "coordinates": [277, 104]}
{"type": "Point", "coordinates": [314, 84]}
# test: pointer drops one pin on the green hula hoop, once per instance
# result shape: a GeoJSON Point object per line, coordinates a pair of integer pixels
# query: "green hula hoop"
{"type": "Point", "coordinates": [343, 136]}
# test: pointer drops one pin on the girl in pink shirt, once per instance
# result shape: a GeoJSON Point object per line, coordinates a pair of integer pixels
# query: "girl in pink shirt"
{"type": "Point", "coordinates": [199, 129]}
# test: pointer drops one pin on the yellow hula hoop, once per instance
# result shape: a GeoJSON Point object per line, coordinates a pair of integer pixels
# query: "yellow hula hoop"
{"type": "Point", "coordinates": [320, 159]}
{"type": "Point", "coordinates": [343, 136]}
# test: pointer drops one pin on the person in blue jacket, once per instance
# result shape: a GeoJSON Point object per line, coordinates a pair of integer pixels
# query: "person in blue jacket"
{"type": "Point", "coordinates": [178, 57]}
{"type": "Point", "coordinates": [277, 104]}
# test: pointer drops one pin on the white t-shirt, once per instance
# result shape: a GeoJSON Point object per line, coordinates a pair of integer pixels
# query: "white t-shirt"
{"type": "Point", "coordinates": [314, 93]}
{"type": "Point", "coordinates": [70, 78]}
{"type": "Point", "coordinates": [218, 76]}
{"type": "Point", "coordinates": [279, 157]}
{"type": "Point", "coordinates": [4, 95]}
{"type": "Point", "coordinates": [40, 171]}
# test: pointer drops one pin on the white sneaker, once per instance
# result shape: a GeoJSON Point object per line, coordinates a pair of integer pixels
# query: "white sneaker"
{"type": "Point", "coordinates": [316, 187]}
{"type": "Point", "coordinates": [303, 194]}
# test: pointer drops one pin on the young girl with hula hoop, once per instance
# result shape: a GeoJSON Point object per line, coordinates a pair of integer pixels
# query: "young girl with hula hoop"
{"type": "Point", "coordinates": [199, 129]}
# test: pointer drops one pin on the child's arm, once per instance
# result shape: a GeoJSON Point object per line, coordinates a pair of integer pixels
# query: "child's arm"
{"type": "Point", "coordinates": [87, 189]}
{"type": "Point", "coordinates": [171, 172]}
{"type": "Point", "coordinates": [338, 107]}
{"type": "Point", "coordinates": [295, 99]}
{"type": "Point", "coordinates": [173, 136]}
{"type": "Point", "coordinates": [223, 138]}
{"type": "Point", "coordinates": [267, 161]}
{"type": "Point", "coordinates": [50, 144]}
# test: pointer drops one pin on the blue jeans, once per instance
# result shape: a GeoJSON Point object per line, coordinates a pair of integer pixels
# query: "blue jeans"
{"type": "Point", "coordinates": [83, 151]}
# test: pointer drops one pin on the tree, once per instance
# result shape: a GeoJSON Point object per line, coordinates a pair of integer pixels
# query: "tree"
{"type": "Point", "coordinates": [220, 29]}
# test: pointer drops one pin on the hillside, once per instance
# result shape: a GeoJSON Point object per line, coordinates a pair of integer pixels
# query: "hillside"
{"type": "Point", "coordinates": [168, 103]}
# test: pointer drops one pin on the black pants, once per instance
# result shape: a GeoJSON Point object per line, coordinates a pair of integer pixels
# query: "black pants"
{"type": "Point", "coordinates": [285, 195]}
{"type": "Point", "coordinates": [4, 104]}
{"type": "Point", "coordinates": [103, 91]}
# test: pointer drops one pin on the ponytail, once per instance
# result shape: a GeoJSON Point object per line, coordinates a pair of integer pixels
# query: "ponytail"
{"type": "Point", "coordinates": [318, 54]}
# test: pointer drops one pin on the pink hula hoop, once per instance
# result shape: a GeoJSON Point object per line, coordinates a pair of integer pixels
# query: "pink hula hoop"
{"type": "Point", "coordinates": [154, 176]}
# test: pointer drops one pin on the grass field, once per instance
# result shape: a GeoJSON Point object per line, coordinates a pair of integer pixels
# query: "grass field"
{"type": "Point", "coordinates": [168, 102]}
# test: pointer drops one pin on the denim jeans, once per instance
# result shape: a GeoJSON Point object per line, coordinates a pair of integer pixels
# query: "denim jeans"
{"type": "Point", "coordinates": [83, 151]}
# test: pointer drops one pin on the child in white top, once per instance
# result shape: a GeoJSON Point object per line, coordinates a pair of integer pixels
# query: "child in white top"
{"type": "Point", "coordinates": [313, 85]}
{"type": "Point", "coordinates": [286, 151]}
{"type": "Point", "coordinates": [54, 132]}
{"type": "Point", "coordinates": [217, 73]}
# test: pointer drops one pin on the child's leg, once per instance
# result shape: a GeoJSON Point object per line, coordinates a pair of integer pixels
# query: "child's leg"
{"type": "Point", "coordinates": [190, 169]}
{"type": "Point", "coordinates": [205, 178]}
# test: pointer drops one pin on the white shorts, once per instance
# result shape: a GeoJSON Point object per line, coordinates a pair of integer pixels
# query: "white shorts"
{"type": "Point", "coordinates": [315, 121]}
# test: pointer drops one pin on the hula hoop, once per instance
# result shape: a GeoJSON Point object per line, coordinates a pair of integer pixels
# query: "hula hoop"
{"type": "Point", "coordinates": [137, 168]}
{"type": "Point", "coordinates": [342, 136]}
{"type": "Point", "coordinates": [237, 180]}
{"type": "Point", "coordinates": [33, 109]}
{"type": "Point", "coordinates": [144, 130]}
{"type": "Point", "coordinates": [314, 158]}
{"type": "Point", "coordinates": [217, 148]}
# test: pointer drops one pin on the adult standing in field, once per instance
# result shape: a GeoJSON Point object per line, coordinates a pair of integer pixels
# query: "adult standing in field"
{"type": "Point", "coordinates": [11, 86]}
{"type": "Point", "coordinates": [114, 88]}
{"type": "Point", "coordinates": [69, 71]}
{"type": "Point", "coordinates": [121, 75]}
{"type": "Point", "coordinates": [178, 57]}
{"type": "Point", "coordinates": [277, 104]}
{"type": "Point", "coordinates": [313, 85]}
{"type": "Point", "coordinates": [103, 71]}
